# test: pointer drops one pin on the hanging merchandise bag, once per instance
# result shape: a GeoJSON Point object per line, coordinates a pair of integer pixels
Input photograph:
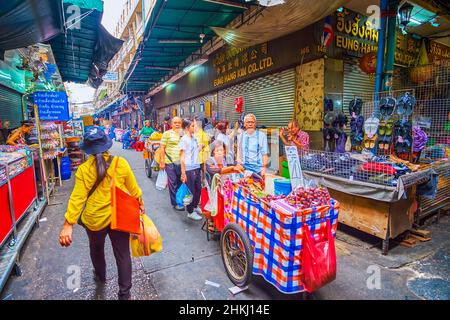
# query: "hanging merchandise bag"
{"type": "Point", "coordinates": [219, 216]}
{"type": "Point", "coordinates": [318, 259]}
{"type": "Point", "coordinates": [161, 181]}
{"type": "Point", "coordinates": [148, 242]}
{"type": "Point", "coordinates": [205, 201]}
{"type": "Point", "coordinates": [184, 196]}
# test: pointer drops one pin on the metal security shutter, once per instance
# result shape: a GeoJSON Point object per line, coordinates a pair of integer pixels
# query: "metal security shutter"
{"type": "Point", "coordinates": [356, 84]}
{"type": "Point", "coordinates": [186, 106]}
{"type": "Point", "coordinates": [10, 106]}
{"type": "Point", "coordinates": [201, 100]}
{"type": "Point", "coordinates": [270, 98]}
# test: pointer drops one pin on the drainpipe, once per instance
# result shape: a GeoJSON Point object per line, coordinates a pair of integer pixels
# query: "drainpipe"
{"type": "Point", "coordinates": [380, 55]}
{"type": "Point", "coordinates": [391, 44]}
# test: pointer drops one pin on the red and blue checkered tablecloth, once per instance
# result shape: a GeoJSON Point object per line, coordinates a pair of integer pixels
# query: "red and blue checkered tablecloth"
{"type": "Point", "coordinates": [276, 236]}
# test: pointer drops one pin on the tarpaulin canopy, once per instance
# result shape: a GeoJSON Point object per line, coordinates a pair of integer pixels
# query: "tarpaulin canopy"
{"type": "Point", "coordinates": [173, 34]}
{"type": "Point", "coordinates": [278, 21]}
{"type": "Point", "coordinates": [27, 22]}
{"type": "Point", "coordinates": [87, 4]}
{"type": "Point", "coordinates": [85, 49]}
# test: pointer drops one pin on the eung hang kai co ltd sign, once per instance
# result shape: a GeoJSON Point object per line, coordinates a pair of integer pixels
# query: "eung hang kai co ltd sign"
{"type": "Point", "coordinates": [52, 106]}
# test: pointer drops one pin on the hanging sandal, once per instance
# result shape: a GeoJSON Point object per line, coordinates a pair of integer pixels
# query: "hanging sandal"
{"type": "Point", "coordinates": [390, 106]}
{"type": "Point", "coordinates": [366, 142]}
{"type": "Point", "coordinates": [382, 128]}
{"type": "Point", "coordinates": [383, 106]}
{"type": "Point", "coordinates": [389, 127]}
{"type": "Point", "coordinates": [373, 141]}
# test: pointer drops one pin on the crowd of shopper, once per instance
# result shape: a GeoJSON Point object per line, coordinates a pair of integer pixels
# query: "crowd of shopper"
{"type": "Point", "coordinates": [192, 151]}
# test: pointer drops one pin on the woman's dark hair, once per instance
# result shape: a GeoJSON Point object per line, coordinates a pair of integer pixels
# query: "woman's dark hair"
{"type": "Point", "coordinates": [217, 144]}
{"type": "Point", "coordinates": [222, 127]}
{"type": "Point", "coordinates": [186, 123]}
{"type": "Point", "coordinates": [166, 118]}
{"type": "Point", "coordinates": [100, 165]}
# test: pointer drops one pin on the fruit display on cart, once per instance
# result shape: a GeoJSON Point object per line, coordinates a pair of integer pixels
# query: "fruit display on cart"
{"type": "Point", "coordinates": [304, 198]}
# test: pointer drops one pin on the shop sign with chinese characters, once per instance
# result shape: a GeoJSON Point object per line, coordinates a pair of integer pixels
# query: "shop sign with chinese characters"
{"type": "Point", "coordinates": [439, 54]}
{"type": "Point", "coordinates": [354, 33]}
{"type": "Point", "coordinates": [237, 63]}
{"type": "Point", "coordinates": [355, 36]}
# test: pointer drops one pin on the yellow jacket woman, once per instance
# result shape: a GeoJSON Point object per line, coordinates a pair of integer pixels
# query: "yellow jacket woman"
{"type": "Point", "coordinates": [91, 201]}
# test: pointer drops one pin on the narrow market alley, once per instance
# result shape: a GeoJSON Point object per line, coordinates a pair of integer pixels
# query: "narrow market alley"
{"type": "Point", "coordinates": [188, 260]}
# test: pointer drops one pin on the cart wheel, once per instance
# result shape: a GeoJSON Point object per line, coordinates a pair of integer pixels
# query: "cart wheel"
{"type": "Point", "coordinates": [237, 254]}
{"type": "Point", "coordinates": [148, 168]}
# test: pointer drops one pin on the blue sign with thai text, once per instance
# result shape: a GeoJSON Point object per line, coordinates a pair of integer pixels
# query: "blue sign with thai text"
{"type": "Point", "coordinates": [52, 106]}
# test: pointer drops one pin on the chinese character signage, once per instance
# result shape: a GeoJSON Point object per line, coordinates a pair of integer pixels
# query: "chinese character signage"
{"type": "Point", "coordinates": [236, 63]}
{"type": "Point", "coordinates": [52, 106]}
{"type": "Point", "coordinates": [439, 54]}
{"type": "Point", "coordinates": [354, 35]}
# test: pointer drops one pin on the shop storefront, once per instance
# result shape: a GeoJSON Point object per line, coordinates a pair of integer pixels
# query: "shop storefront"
{"type": "Point", "coordinates": [263, 76]}
{"type": "Point", "coordinates": [380, 183]}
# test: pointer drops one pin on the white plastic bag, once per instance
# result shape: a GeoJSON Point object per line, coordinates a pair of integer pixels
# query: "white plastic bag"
{"type": "Point", "coordinates": [161, 180]}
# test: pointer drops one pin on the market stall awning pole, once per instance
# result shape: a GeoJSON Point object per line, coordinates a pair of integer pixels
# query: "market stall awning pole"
{"type": "Point", "coordinates": [380, 54]}
{"type": "Point", "coordinates": [391, 43]}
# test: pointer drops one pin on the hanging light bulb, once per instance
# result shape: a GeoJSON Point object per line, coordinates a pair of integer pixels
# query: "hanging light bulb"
{"type": "Point", "coordinates": [405, 13]}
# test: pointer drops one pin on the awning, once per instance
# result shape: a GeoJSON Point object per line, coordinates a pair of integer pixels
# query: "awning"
{"type": "Point", "coordinates": [84, 51]}
{"type": "Point", "coordinates": [27, 22]}
{"type": "Point", "coordinates": [115, 103]}
{"type": "Point", "coordinates": [172, 35]}
{"type": "Point", "coordinates": [278, 21]}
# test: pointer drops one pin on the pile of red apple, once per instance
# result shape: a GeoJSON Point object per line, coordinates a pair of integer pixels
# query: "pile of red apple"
{"type": "Point", "coordinates": [304, 198]}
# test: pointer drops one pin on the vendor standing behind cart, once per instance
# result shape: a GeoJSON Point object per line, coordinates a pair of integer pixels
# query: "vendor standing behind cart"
{"type": "Point", "coordinates": [253, 150]}
{"type": "Point", "coordinates": [170, 154]}
{"type": "Point", "coordinates": [296, 136]}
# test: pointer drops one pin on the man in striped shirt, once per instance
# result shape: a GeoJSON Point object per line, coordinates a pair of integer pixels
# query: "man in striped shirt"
{"type": "Point", "coordinates": [170, 144]}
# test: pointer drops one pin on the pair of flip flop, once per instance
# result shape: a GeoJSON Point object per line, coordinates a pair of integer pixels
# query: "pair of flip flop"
{"type": "Point", "coordinates": [385, 128]}
{"type": "Point", "coordinates": [385, 131]}
{"type": "Point", "coordinates": [384, 143]}
{"type": "Point", "coordinates": [330, 118]}
{"type": "Point", "coordinates": [355, 106]}
{"type": "Point", "coordinates": [356, 130]}
{"type": "Point", "coordinates": [371, 126]}
{"type": "Point", "coordinates": [341, 120]}
{"type": "Point", "coordinates": [387, 106]}
{"type": "Point", "coordinates": [403, 138]}
{"type": "Point", "coordinates": [341, 141]}
{"type": "Point", "coordinates": [370, 142]}
{"type": "Point", "coordinates": [328, 104]}
{"type": "Point", "coordinates": [406, 104]}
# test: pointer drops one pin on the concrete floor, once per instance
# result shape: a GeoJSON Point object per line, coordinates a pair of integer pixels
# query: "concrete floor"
{"type": "Point", "coordinates": [188, 260]}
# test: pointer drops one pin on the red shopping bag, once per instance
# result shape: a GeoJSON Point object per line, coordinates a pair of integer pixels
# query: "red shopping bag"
{"type": "Point", "coordinates": [219, 218]}
{"type": "Point", "coordinates": [318, 259]}
{"type": "Point", "coordinates": [204, 199]}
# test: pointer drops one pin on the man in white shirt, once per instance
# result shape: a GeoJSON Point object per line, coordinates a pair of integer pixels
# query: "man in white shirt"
{"type": "Point", "coordinates": [253, 149]}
